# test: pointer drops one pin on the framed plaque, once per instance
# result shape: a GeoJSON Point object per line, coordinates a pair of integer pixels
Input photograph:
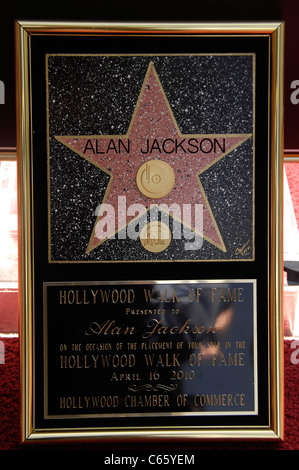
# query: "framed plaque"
{"type": "Point", "coordinates": [150, 170]}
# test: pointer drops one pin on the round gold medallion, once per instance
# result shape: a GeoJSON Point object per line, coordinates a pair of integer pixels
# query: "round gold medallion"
{"type": "Point", "coordinates": [155, 236]}
{"type": "Point", "coordinates": [155, 179]}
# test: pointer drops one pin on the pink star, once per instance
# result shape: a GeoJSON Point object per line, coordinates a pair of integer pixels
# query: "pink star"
{"type": "Point", "coordinates": [153, 134]}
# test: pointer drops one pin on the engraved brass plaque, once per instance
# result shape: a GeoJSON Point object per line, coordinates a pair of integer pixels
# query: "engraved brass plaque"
{"type": "Point", "coordinates": [160, 349]}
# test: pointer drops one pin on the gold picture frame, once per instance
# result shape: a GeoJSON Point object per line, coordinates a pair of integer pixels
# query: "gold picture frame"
{"type": "Point", "coordinates": [53, 62]}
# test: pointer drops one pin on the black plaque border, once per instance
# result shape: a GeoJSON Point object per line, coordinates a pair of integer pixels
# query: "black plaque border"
{"type": "Point", "coordinates": [33, 41]}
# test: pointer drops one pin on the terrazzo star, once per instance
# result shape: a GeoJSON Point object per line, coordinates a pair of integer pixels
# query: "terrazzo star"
{"type": "Point", "coordinates": [157, 175]}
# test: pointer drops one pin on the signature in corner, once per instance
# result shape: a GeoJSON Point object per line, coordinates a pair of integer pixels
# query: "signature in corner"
{"type": "Point", "coordinates": [244, 249]}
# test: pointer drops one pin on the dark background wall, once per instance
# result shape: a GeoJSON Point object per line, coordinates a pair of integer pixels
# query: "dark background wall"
{"type": "Point", "coordinates": [154, 10]}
